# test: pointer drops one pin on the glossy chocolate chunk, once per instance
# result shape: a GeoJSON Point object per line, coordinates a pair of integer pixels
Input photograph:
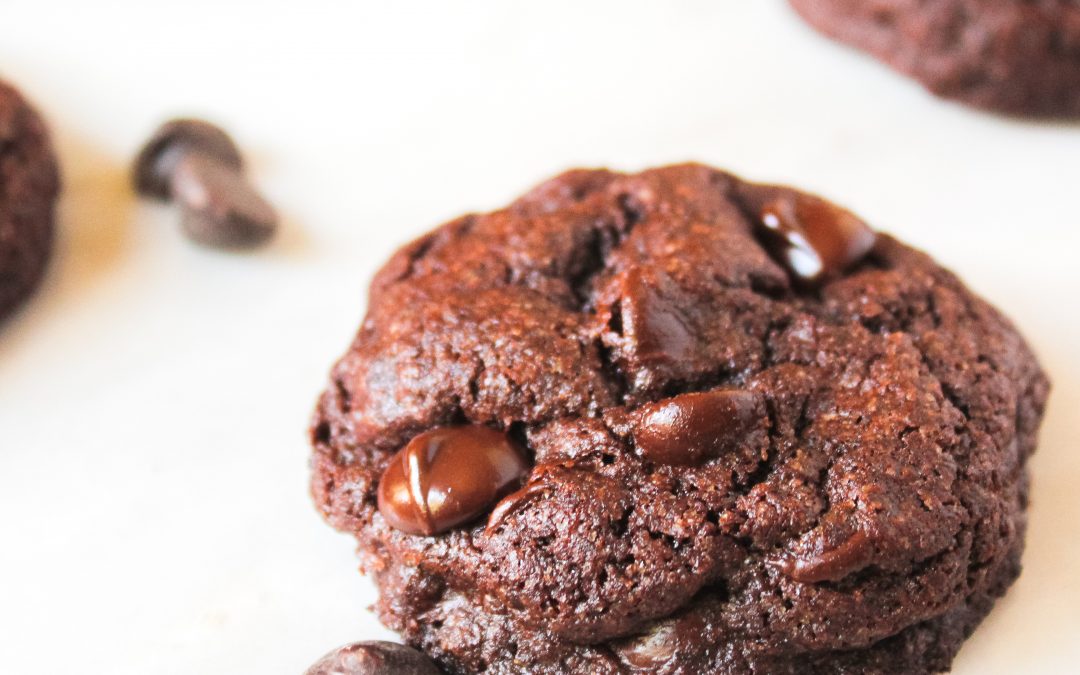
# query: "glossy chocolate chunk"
{"type": "Point", "coordinates": [447, 477]}
{"type": "Point", "coordinates": [374, 658]}
{"type": "Point", "coordinates": [814, 239]}
{"type": "Point", "coordinates": [653, 321]}
{"type": "Point", "coordinates": [693, 428]}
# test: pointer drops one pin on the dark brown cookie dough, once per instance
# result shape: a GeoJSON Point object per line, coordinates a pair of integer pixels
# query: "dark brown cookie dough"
{"type": "Point", "coordinates": [29, 184]}
{"type": "Point", "coordinates": [1014, 56]}
{"type": "Point", "coordinates": [735, 467]}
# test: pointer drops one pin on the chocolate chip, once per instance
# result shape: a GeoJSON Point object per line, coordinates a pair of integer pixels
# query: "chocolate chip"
{"type": "Point", "coordinates": [652, 321]}
{"type": "Point", "coordinates": [197, 165]}
{"type": "Point", "coordinates": [374, 658]}
{"type": "Point", "coordinates": [155, 163]}
{"type": "Point", "coordinates": [693, 428]}
{"type": "Point", "coordinates": [655, 649]}
{"type": "Point", "coordinates": [830, 563]}
{"type": "Point", "coordinates": [514, 502]}
{"type": "Point", "coordinates": [540, 485]}
{"type": "Point", "coordinates": [651, 651]}
{"type": "Point", "coordinates": [447, 477]}
{"type": "Point", "coordinates": [813, 238]}
{"type": "Point", "coordinates": [221, 209]}
{"type": "Point", "coordinates": [651, 332]}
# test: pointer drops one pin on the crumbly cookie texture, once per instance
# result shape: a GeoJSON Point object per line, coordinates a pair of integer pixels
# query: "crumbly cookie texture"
{"type": "Point", "coordinates": [29, 183]}
{"type": "Point", "coordinates": [740, 462]}
{"type": "Point", "coordinates": [1014, 56]}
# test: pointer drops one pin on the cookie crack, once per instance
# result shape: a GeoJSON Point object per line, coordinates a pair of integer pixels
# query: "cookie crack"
{"type": "Point", "coordinates": [605, 239]}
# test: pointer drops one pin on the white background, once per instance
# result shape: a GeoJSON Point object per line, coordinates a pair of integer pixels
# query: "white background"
{"type": "Point", "coordinates": [154, 514]}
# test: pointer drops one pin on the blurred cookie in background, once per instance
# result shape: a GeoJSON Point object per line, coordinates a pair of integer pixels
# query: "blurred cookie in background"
{"type": "Point", "coordinates": [1010, 56]}
{"type": "Point", "coordinates": [29, 183]}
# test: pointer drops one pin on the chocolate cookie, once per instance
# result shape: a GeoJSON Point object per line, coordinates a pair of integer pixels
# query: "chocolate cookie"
{"type": "Point", "coordinates": [1014, 56]}
{"type": "Point", "coordinates": [675, 422]}
{"type": "Point", "coordinates": [29, 184]}
{"type": "Point", "coordinates": [373, 658]}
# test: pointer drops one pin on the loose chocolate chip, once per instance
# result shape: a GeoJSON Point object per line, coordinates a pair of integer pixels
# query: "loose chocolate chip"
{"type": "Point", "coordinates": [448, 476]}
{"type": "Point", "coordinates": [814, 239]}
{"type": "Point", "coordinates": [692, 428]}
{"type": "Point", "coordinates": [374, 658]}
{"type": "Point", "coordinates": [197, 166]}
{"type": "Point", "coordinates": [221, 209]}
{"type": "Point", "coordinates": [155, 163]}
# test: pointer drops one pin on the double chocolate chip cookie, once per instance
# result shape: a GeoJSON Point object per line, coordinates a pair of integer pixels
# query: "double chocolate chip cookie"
{"type": "Point", "coordinates": [1014, 56]}
{"type": "Point", "coordinates": [675, 422]}
{"type": "Point", "coordinates": [29, 184]}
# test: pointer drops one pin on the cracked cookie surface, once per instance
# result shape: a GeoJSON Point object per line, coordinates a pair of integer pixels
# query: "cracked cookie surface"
{"type": "Point", "coordinates": [1019, 57]}
{"type": "Point", "coordinates": [858, 510]}
{"type": "Point", "coordinates": [29, 184]}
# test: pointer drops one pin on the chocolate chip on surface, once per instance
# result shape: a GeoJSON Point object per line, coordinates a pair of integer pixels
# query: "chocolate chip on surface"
{"type": "Point", "coordinates": [374, 658]}
{"type": "Point", "coordinates": [692, 428]}
{"type": "Point", "coordinates": [447, 477]}
{"type": "Point", "coordinates": [198, 166]}
{"type": "Point", "coordinates": [173, 140]}
{"type": "Point", "coordinates": [221, 210]}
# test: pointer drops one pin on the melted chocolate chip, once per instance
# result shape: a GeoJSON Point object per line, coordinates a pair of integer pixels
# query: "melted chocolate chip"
{"type": "Point", "coordinates": [654, 335]}
{"type": "Point", "coordinates": [374, 658]}
{"type": "Point", "coordinates": [514, 502]}
{"type": "Point", "coordinates": [539, 485]}
{"type": "Point", "coordinates": [650, 651]}
{"type": "Point", "coordinates": [693, 428]}
{"type": "Point", "coordinates": [447, 477]}
{"type": "Point", "coordinates": [653, 321]}
{"type": "Point", "coordinates": [813, 238]}
{"type": "Point", "coordinates": [830, 564]}
{"type": "Point", "coordinates": [656, 648]}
